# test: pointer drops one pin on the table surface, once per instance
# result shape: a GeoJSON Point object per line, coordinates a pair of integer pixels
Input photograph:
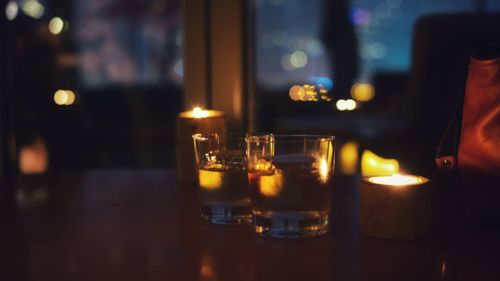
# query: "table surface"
{"type": "Point", "coordinates": [141, 225]}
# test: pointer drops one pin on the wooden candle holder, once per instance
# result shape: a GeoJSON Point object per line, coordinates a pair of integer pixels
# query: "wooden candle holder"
{"type": "Point", "coordinates": [396, 212]}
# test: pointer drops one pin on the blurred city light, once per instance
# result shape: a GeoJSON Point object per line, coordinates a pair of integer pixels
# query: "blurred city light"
{"type": "Point", "coordinates": [11, 10]}
{"type": "Point", "coordinates": [64, 97]}
{"type": "Point", "coordinates": [179, 68]}
{"type": "Point", "coordinates": [33, 9]}
{"type": "Point", "coordinates": [56, 25]}
{"type": "Point", "coordinates": [346, 105]}
{"type": "Point", "coordinates": [360, 16]}
{"type": "Point", "coordinates": [362, 92]}
{"type": "Point", "coordinates": [298, 59]}
{"type": "Point", "coordinates": [322, 82]}
{"type": "Point", "coordinates": [297, 93]}
{"type": "Point", "coordinates": [33, 158]}
{"type": "Point", "coordinates": [285, 62]}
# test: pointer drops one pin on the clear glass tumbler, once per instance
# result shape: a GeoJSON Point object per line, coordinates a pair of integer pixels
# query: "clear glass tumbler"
{"type": "Point", "coordinates": [222, 178]}
{"type": "Point", "coordinates": [290, 183]}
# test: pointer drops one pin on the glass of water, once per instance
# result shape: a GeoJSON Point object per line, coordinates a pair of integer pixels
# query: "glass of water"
{"type": "Point", "coordinates": [222, 178]}
{"type": "Point", "coordinates": [290, 183]}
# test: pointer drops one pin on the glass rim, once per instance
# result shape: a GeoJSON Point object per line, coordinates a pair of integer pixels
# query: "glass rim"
{"type": "Point", "coordinates": [232, 135]}
{"type": "Point", "coordinates": [292, 137]}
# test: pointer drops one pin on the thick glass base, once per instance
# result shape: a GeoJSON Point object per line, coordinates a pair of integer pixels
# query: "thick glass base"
{"type": "Point", "coordinates": [226, 214]}
{"type": "Point", "coordinates": [290, 224]}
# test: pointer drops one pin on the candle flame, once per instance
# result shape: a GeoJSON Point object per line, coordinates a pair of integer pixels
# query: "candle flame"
{"type": "Point", "coordinates": [199, 112]}
{"type": "Point", "coordinates": [397, 180]}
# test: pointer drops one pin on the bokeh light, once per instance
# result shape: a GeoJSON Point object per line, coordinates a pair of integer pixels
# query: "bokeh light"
{"type": "Point", "coordinates": [346, 105]}
{"type": "Point", "coordinates": [298, 59]}
{"type": "Point", "coordinates": [362, 92]}
{"type": "Point", "coordinates": [297, 93]}
{"type": "Point", "coordinates": [11, 10]}
{"type": "Point", "coordinates": [33, 8]}
{"type": "Point", "coordinates": [64, 97]}
{"type": "Point", "coordinates": [56, 25]}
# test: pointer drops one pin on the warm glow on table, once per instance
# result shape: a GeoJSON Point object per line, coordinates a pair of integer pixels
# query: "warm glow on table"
{"type": "Point", "coordinates": [374, 165]}
{"type": "Point", "coordinates": [397, 180]}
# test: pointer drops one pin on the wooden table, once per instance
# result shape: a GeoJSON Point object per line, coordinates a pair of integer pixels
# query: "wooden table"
{"type": "Point", "coordinates": [138, 225]}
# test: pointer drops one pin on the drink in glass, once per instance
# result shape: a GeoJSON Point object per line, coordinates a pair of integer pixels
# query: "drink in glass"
{"type": "Point", "coordinates": [290, 184]}
{"type": "Point", "coordinates": [222, 178]}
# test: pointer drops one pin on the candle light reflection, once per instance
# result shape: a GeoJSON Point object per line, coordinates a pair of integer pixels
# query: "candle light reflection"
{"type": "Point", "coordinates": [323, 171]}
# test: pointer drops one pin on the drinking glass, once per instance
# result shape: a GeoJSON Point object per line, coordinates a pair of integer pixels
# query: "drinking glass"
{"type": "Point", "coordinates": [290, 183]}
{"type": "Point", "coordinates": [222, 178]}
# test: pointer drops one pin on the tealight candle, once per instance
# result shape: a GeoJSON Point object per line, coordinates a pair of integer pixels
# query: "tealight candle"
{"type": "Point", "coordinates": [395, 207]}
{"type": "Point", "coordinates": [189, 123]}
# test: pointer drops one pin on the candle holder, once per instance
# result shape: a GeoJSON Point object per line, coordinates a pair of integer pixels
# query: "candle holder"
{"type": "Point", "coordinates": [396, 207]}
{"type": "Point", "coordinates": [188, 124]}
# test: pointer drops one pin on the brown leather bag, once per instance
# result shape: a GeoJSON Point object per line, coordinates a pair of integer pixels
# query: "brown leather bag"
{"type": "Point", "coordinates": [479, 148]}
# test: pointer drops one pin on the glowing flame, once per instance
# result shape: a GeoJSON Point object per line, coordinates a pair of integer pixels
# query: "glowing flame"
{"type": "Point", "coordinates": [199, 113]}
{"type": "Point", "coordinates": [397, 180]}
{"type": "Point", "coordinates": [374, 165]}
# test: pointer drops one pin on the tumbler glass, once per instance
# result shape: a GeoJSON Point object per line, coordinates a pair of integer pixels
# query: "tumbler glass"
{"type": "Point", "coordinates": [222, 178]}
{"type": "Point", "coordinates": [290, 183]}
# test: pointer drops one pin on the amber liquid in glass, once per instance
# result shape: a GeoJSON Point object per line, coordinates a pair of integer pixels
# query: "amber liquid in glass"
{"type": "Point", "coordinates": [224, 193]}
{"type": "Point", "coordinates": [291, 199]}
